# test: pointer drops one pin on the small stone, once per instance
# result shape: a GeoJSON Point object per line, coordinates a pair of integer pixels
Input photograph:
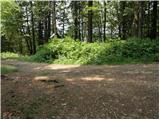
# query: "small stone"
{"type": "Point", "coordinates": [64, 104]}
{"type": "Point", "coordinates": [140, 110]}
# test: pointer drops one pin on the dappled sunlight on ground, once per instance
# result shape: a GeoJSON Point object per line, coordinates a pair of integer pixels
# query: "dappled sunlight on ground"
{"type": "Point", "coordinates": [57, 67]}
{"type": "Point", "coordinates": [87, 91]}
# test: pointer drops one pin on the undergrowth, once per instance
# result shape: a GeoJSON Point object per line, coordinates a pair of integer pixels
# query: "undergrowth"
{"type": "Point", "coordinates": [68, 51]}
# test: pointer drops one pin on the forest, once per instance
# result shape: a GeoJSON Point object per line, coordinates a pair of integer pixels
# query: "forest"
{"type": "Point", "coordinates": [41, 29]}
{"type": "Point", "coordinates": [86, 59]}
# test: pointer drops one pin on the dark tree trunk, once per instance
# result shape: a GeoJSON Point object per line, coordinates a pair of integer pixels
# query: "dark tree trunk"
{"type": "Point", "coordinates": [148, 19]}
{"type": "Point", "coordinates": [154, 20]}
{"type": "Point", "coordinates": [54, 28]}
{"type": "Point", "coordinates": [82, 29]}
{"type": "Point", "coordinates": [90, 3]}
{"type": "Point", "coordinates": [140, 19]}
{"type": "Point", "coordinates": [45, 30]}
{"type": "Point", "coordinates": [33, 31]}
{"type": "Point", "coordinates": [75, 20]}
{"type": "Point", "coordinates": [135, 24]}
{"type": "Point", "coordinates": [79, 21]}
{"type": "Point", "coordinates": [40, 34]}
{"type": "Point", "coordinates": [104, 27]}
{"type": "Point", "coordinates": [26, 40]}
{"type": "Point", "coordinates": [49, 22]}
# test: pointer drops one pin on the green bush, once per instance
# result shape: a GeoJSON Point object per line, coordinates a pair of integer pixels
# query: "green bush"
{"type": "Point", "coordinates": [68, 51]}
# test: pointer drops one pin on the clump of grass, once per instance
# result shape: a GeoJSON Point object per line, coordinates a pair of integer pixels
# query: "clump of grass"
{"type": "Point", "coordinates": [8, 69]}
{"type": "Point", "coordinates": [10, 55]}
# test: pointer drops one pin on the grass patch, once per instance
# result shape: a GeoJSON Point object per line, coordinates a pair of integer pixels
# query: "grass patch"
{"type": "Point", "coordinates": [8, 69]}
{"type": "Point", "coordinates": [10, 55]}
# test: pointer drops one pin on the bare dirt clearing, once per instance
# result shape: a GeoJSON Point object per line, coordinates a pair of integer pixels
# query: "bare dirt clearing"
{"type": "Point", "coordinates": [74, 91]}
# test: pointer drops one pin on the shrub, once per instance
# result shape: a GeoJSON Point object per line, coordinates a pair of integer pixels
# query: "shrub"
{"type": "Point", "coordinates": [68, 51]}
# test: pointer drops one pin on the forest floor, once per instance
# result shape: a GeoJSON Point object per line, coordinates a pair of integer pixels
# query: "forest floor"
{"type": "Point", "coordinates": [39, 90]}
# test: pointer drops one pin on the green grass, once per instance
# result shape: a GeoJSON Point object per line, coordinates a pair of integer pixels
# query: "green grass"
{"type": "Point", "coordinates": [10, 55]}
{"type": "Point", "coordinates": [69, 51]}
{"type": "Point", "coordinates": [8, 69]}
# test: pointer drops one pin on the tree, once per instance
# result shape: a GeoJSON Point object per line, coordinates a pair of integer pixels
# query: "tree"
{"type": "Point", "coordinates": [90, 3]}
{"type": "Point", "coordinates": [154, 20]}
{"type": "Point", "coordinates": [10, 24]}
{"type": "Point", "coordinates": [33, 30]}
{"type": "Point", "coordinates": [104, 24]}
{"type": "Point", "coordinates": [27, 24]}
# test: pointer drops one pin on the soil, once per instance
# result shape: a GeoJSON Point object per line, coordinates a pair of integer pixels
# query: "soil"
{"type": "Point", "coordinates": [39, 90]}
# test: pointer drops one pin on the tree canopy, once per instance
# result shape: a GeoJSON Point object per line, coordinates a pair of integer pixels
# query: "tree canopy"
{"type": "Point", "coordinates": [29, 24]}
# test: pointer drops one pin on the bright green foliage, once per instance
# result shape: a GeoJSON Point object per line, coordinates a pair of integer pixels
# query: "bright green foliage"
{"type": "Point", "coordinates": [7, 69]}
{"type": "Point", "coordinates": [10, 23]}
{"type": "Point", "coordinates": [10, 55]}
{"type": "Point", "coordinates": [68, 51]}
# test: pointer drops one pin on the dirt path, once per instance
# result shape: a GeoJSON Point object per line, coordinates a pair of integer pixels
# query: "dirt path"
{"type": "Point", "coordinates": [74, 91]}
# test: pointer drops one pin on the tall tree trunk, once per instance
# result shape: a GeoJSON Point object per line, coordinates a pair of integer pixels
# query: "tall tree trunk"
{"type": "Point", "coordinates": [49, 22]}
{"type": "Point", "coordinates": [63, 21]}
{"type": "Point", "coordinates": [90, 3]}
{"type": "Point", "coordinates": [119, 20]}
{"type": "Point", "coordinates": [54, 28]}
{"type": "Point", "coordinates": [75, 20]}
{"type": "Point", "coordinates": [40, 34]}
{"type": "Point", "coordinates": [148, 19]}
{"type": "Point", "coordinates": [154, 20]}
{"type": "Point", "coordinates": [82, 28]}
{"type": "Point", "coordinates": [45, 30]}
{"type": "Point", "coordinates": [140, 19]}
{"type": "Point", "coordinates": [29, 33]}
{"type": "Point", "coordinates": [79, 21]}
{"type": "Point", "coordinates": [123, 21]}
{"type": "Point", "coordinates": [26, 40]}
{"type": "Point", "coordinates": [104, 24]}
{"type": "Point", "coordinates": [33, 31]}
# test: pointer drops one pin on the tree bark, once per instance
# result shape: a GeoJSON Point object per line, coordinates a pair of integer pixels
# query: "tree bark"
{"type": "Point", "coordinates": [104, 24]}
{"type": "Point", "coordinates": [75, 20]}
{"type": "Point", "coordinates": [54, 28]}
{"type": "Point", "coordinates": [33, 31]}
{"type": "Point", "coordinates": [90, 13]}
{"type": "Point", "coordinates": [40, 34]}
{"type": "Point", "coordinates": [154, 20]}
{"type": "Point", "coordinates": [29, 33]}
{"type": "Point", "coordinates": [49, 22]}
{"type": "Point", "coordinates": [123, 22]}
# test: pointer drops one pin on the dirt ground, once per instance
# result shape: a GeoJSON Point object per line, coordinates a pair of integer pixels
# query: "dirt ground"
{"type": "Point", "coordinates": [74, 91]}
